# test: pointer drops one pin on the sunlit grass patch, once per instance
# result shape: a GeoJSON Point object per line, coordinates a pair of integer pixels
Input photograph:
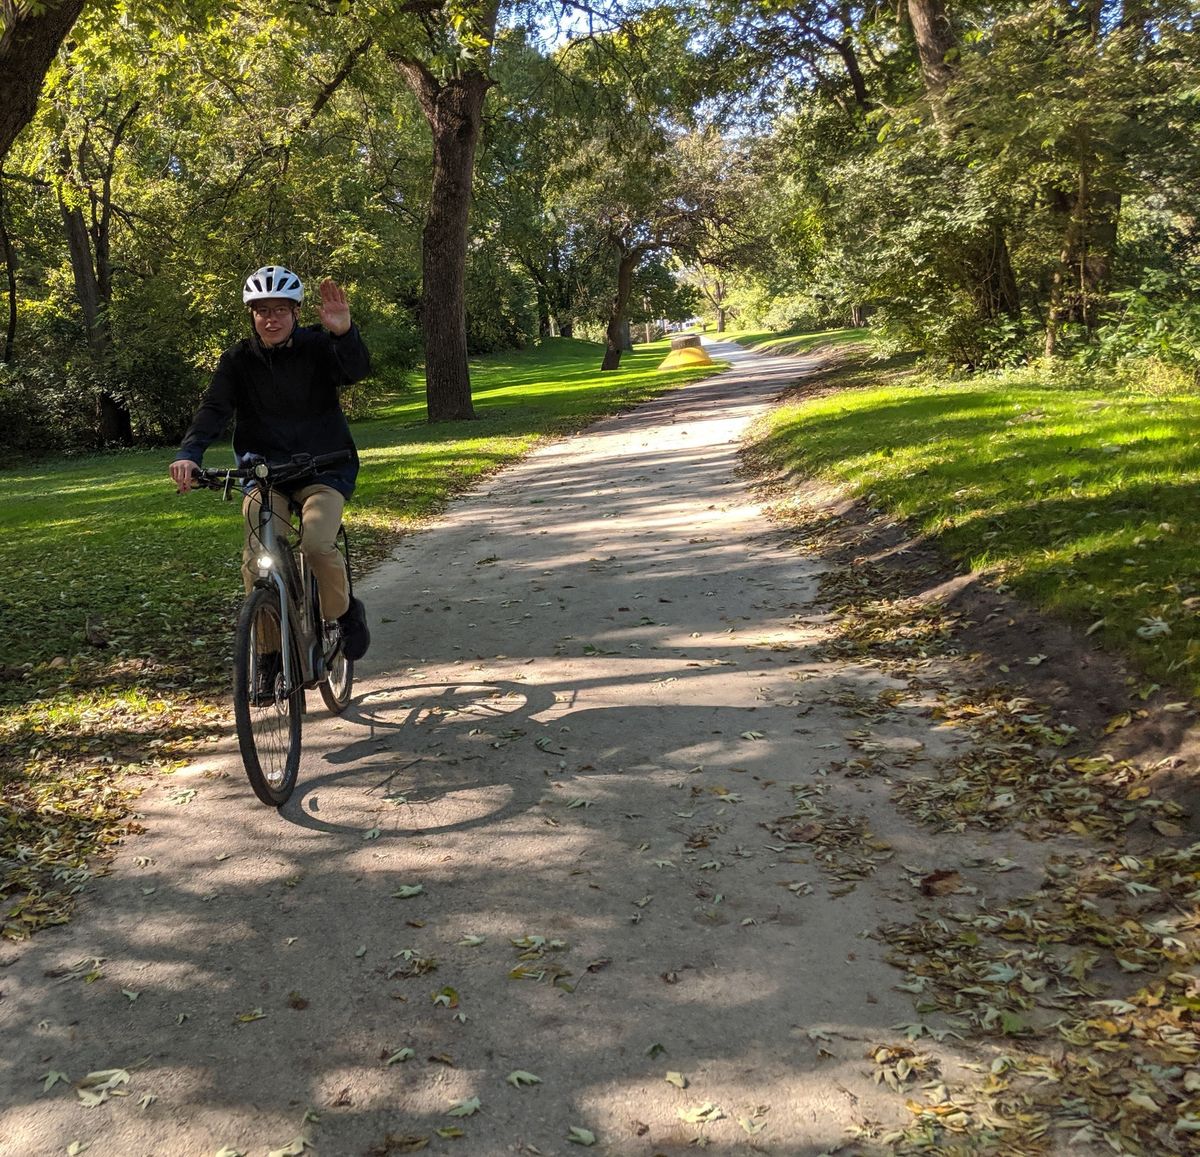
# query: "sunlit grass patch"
{"type": "Point", "coordinates": [797, 341]}
{"type": "Point", "coordinates": [1082, 500]}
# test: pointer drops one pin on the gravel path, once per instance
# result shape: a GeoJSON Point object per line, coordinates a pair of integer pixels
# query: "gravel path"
{"type": "Point", "coordinates": [591, 729]}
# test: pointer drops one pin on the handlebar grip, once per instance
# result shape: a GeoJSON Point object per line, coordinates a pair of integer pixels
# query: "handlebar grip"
{"type": "Point", "coordinates": [334, 459]}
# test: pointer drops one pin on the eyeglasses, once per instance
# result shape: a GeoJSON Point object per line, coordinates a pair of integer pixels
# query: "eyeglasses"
{"type": "Point", "coordinates": [271, 310]}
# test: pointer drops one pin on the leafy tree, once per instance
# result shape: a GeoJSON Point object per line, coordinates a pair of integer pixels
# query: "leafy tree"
{"type": "Point", "coordinates": [30, 35]}
{"type": "Point", "coordinates": [247, 142]}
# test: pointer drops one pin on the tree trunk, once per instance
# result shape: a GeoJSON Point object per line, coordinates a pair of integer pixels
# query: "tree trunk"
{"type": "Point", "coordinates": [935, 38]}
{"type": "Point", "coordinates": [87, 288]}
{"type": "Point", "coordinates": [27, 47]}
{"type": "Point", "coordinates": [1069, 259]}
{"type": "Point", "coordinates": [988, 263]}
{"type": "Point", "coordinates": [720, 319]}
{"type": "Point", "coordinates": [454, 110]}
{"type": "Point", "coordinates": [10, 268]}
{"type": "Point", "coordinates": [114, 423]}
{"type": "Point", "coordinates": [991, 273]}
{"type": "Point", "coordinates": [618, 328]}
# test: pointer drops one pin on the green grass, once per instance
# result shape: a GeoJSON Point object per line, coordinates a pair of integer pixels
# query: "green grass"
{"type": "Point", "coordinates": [107, 538]}
{"type": "Point", "coordinates": [1083, 499]}
{"type": "Point", "coordinates": [797, 341]}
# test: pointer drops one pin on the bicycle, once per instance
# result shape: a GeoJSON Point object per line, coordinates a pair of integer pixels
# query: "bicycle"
{"type": "Point", "coordinates": [282, 645]}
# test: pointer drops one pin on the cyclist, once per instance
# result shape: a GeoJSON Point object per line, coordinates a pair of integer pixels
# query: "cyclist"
{"type": "Point", "coordinates": [280, 385]}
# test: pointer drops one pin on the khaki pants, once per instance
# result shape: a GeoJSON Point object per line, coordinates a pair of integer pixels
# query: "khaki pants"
{"type": "Point", "coordinates": [320, 517]}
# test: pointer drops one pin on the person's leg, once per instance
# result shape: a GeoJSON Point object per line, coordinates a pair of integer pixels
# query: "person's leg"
{"type": "Point", "coordinates": [321, 516]}
{"type": "Point", "coordinates": [252, 547]}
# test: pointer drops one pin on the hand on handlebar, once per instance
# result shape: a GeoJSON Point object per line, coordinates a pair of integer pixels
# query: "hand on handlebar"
{"type": "Point", "coordinates": [183, 473]}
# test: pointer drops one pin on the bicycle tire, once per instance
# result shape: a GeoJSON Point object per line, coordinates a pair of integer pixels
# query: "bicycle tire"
{"type": "Point", "coordinates": [338, 682]}
{"type": "Point", "coordinates": [268, 722]}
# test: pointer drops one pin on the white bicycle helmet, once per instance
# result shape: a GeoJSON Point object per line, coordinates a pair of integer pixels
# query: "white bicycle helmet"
{"type": "Point", "coordinates": [272, 281]}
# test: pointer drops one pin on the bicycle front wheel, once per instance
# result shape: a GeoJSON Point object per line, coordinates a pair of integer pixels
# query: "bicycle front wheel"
{"type": "Point", "coordinates": [268, 719]}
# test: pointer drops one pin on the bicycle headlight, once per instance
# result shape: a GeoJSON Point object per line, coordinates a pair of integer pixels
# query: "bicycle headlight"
{"type": "Point", "coordinates": [264, 563]}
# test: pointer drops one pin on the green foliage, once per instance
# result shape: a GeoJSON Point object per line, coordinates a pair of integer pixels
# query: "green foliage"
{"type": "Point", "coordinates": [501, 311]}
{"type": "Point", "coordinates": [996, 213]}
{"type": "Point", "coordinates": [194, 158]}
{"type": "Point", "coordinates": [1159, 319]}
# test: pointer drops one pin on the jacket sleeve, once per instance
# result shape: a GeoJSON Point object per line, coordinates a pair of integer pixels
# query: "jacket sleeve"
{"type": "Point", "coordinates": [350, 353]}
{"type": "Point", "coordinates": [216, 408]}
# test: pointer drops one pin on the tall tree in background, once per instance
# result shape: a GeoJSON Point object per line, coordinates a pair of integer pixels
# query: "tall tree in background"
{"type": "Point", "coordinates": [445, 65]}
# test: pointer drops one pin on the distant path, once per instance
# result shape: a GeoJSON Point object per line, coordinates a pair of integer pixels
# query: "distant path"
{"type": "Point", "coordinates": [590, 710]}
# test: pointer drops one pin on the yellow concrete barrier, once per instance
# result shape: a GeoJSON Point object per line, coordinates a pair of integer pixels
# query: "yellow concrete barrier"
{"type": "Point", "coordinates": [689, 356]}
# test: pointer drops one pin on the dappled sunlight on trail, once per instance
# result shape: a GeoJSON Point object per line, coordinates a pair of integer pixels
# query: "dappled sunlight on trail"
{"type": "Point", "coordinates": [568, 826]}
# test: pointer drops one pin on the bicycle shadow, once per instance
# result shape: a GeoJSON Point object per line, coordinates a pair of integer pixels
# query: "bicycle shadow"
{"type": "Point", "coordinates": [435, 751]}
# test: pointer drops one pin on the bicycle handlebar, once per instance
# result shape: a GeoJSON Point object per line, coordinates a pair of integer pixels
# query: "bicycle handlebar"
{"type": "Point", "coordinates": [299, 466]}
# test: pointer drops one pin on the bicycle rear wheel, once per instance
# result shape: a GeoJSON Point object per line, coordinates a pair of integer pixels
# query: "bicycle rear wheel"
{"type": "Point", "coordinates": [268, 720]}
{"type": "Point", "coordinates": [339, 676]}
{"type": "Point", "coordinates": [338, 682]}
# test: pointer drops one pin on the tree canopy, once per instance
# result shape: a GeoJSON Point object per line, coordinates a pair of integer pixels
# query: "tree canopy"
{"type": "Point", "coordinates": [982, 183]}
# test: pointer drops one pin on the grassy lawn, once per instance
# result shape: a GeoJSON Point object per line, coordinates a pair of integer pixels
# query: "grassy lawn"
{"type": "Point", "coordinates": [797, 341]}
{"type": "Point", "coordinates": [1084, 500]}
{"type": "Point", "coordinates": [105, 546]}
{"type": "Point", "coordinates": [107, 538]}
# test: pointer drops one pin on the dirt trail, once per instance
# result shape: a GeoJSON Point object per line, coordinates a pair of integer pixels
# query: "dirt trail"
{"type": "Point", "coordinates": [592, 721]}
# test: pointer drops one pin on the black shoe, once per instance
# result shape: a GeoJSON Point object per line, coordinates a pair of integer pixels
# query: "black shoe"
{"type": "Point", "coordinates": [356, 638]}
{"type": "Point", "coordinates": [268, 668]}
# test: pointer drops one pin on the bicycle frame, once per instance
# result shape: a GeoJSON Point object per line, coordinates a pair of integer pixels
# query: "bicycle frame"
{"type": "Point", "coordinates": [278, 566]}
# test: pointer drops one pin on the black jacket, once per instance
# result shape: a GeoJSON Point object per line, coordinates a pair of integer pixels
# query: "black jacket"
{"type": "Point", "coordinates": [284, 400]}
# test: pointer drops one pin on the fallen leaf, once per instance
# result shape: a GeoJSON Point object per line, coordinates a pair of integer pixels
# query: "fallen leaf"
{"type": "Point", "coordinates": [52, 1078]}
{"type": "Point", "coordinates": [247, 1017]}
{"type": "Point", "coordinates": [467, 1107]}
{"type": "Point", "coordinates": [676, 1079]}
{"type": "Point", "coordinates": [294, 1148]}
{"type": "Point", "coordinates": [519, 1077]}
{"type": "Point", "coordinates": [943, 882]}
{"type": "Point", "coordinates": [408, 891]}
{"type": "Point", "coordinates": [578, 1136]}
